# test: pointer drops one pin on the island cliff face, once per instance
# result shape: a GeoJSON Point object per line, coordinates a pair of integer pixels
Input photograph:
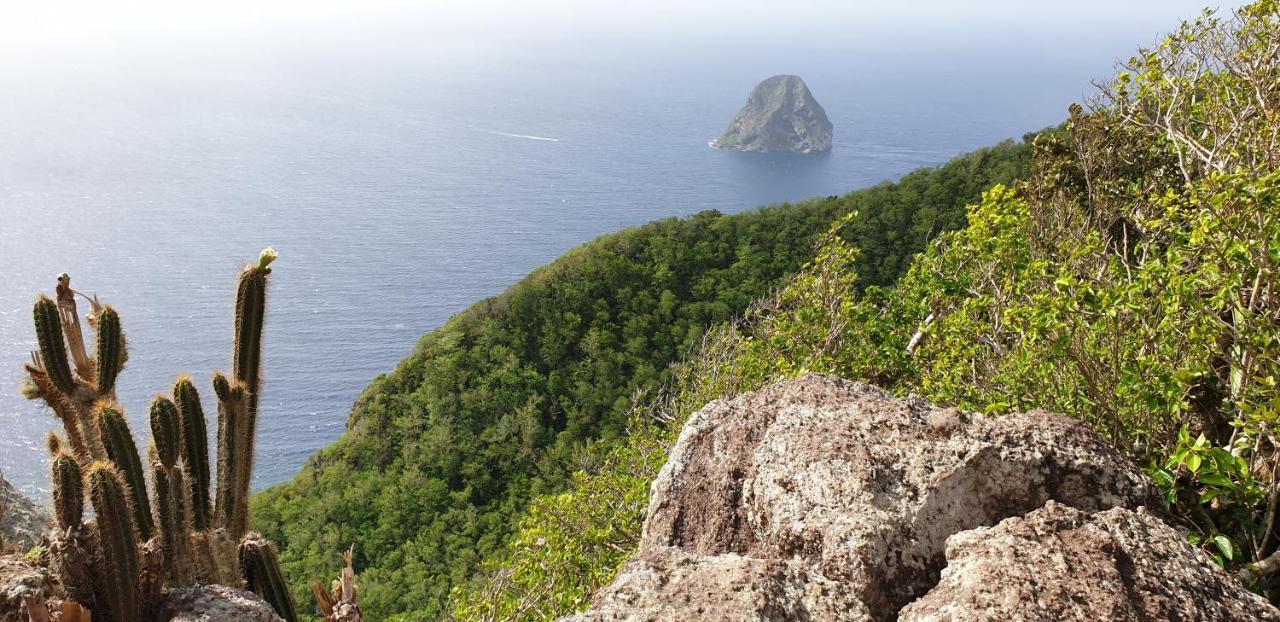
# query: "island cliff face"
{"type": "Point", "coordinates": [781, 115]}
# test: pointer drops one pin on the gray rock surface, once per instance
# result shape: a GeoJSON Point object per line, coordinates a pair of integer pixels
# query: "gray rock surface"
{"type": "Point", "coordinates": [834, 500]}
{"type": "Point", "coordinates": [781, 115]}
{"type": "Point", "coordinates": [20, 580]}
{"type": "Point", "coordinates": [1126, 565]}
{"type": "Point", "coordinates": [22, 520]}
{"type": "Point", "coordinates": [216, 603]}
{"type": "Point", "coordinates": [671, 584]}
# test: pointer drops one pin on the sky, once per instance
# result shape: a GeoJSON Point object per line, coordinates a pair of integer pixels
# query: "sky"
{"type": "Point", "coordinates": [76, 24]}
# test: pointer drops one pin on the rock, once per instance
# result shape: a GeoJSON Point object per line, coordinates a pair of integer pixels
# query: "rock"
{"type": "Point", "coordinates": [834, 500]}
{"type": "Point", "coordinates": [22, 521]}
{"type": "Point", "coordinates": [866, 486]}
{"type": "Point", "coordinates": [781, 115]}
{"type": "Point", "coordinates": [215, 603]}
{"type": "Point", "coordinates": [670, 584]}
{"type": "Point", "coordinates": [1058, 563]}
{"type": "Point", "coordinates": [20, 580]}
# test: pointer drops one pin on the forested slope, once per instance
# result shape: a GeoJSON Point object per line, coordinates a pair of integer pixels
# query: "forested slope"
{"type": "Point", "coordinates": [1131, 282]}
{"type": "Point", "coordinates": [512, 396]}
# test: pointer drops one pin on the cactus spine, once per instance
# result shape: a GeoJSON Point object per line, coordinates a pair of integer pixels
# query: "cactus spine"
{"type": "Point", "coordinates": [53, 348]}
{"type": "Point", "coordinates": [195, 449]}
{"type": "Point", "coordinates": [117, 541]}
{"type": "Point", "coordinates": [68, 492]}
{"type": "Point", "coordinates": [111, 350]}
{"type": "Point", "coordinates": [260, 566]}
{"type": "Point", "coordinates": [121, 449]}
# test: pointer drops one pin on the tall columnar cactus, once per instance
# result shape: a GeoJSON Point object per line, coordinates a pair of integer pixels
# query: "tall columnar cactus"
{"type": "Point", "coordinates": [260, 565]}
{"type": "Point", "coordinates": [166, 430]}
{"type": "Point", "coordinates": [121, 449]}
{"type": "Point", "coordinates": [53, 348]}
{"type": "Point", "coordinates": [111, 350]}
{"type": "Point", "coordinates": [117, 541]}
{"type": "Point", "coordinates": [231, 424]}
{"type": "Point", "coordinates": [195, 449]}
{"type": "Point", "coordinates": [68, 492]}
{"type": "Point", "coordinates": [238, 412]}
{"type": "Point", "coordinates": [68, 547]}
{"type": "Point", "coordinates": [169, 483]}
{"type": "Point", "coordinates": [172, 519]}
{"type": "Point", "coordinates": [113, 565]}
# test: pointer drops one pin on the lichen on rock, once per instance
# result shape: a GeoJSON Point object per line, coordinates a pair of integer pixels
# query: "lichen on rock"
{"type": "Point", "coordinates": [821, 498]}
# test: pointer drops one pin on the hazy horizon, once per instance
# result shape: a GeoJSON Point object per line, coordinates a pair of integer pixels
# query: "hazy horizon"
{"type": "Point", "coordinates": [71, 26]}
{"type": "Point", "coordinates": [150, 149]}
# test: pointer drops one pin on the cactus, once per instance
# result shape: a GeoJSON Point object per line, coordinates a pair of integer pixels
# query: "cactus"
{"type": "Point", "coordinates": [111, 350]}
{"type": "Point", "coordinates": [195, 449]}
{"type": "Point", "coordinates": [68, 492]}
{"type": "Point", "coordinates": [72, 558]}
{"type": "Point", "coordinates": [172, 518]}
{"type": "Point", "coordinates": [260, 566]}
{"type": "Point", "coordinates": [53, 349]}
{"type": "Point", "coordinates": [217, 558]}
{"type": "Point", "coordinates": [151, 578]}
{"type": "Point", "coordinates": [119, 565]}
{"type": "Point", "coordinates": [338, 604]}
{"type": "Point", "coordinates": [251, 303]}
{"type": "Point", "coordinates": [242, 413]}
{"type": "Point", "coordinates": [230, 421]}
{"type": "Point", "coordinates": [121, 449]}
{"type": "Point", "coordinates": [67, 546]}
{"type": "Point", "coordinates": [117, 541]}
{"type": "Point", "coordinates": [166, 430]}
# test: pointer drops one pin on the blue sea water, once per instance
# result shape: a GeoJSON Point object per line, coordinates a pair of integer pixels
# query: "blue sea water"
{"type": "Point", "coordinates": [402, 183]}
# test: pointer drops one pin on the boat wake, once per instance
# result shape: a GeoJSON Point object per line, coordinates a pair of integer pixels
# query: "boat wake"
{"type": "Point", "coordinates": [525, 136]}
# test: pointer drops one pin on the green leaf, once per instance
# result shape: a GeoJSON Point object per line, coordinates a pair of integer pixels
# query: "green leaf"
{"type": "Point", "coordinates": [1193, 462]}
{"type": "Point", "coordinates": [1215, 479]}
{"type": "Point", "coordinates": [1224, 545]}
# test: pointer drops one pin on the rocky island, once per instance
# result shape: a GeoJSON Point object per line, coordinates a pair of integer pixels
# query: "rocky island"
{"type": "Point", "coordinates": [781, 115]}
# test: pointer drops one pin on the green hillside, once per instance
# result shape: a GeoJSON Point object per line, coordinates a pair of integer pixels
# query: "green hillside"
{"type": "Point", "coordinates": [512, 396]}
{"type": "Point", "coordinates": [1130, 281]}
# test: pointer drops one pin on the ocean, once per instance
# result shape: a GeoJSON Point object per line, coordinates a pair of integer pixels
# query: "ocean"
{"type": "Point", "coordinates": [401, 182]}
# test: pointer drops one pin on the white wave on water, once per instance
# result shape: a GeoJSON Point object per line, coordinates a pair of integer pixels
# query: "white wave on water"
{"type": "Point", "coordinates": [525, 136]}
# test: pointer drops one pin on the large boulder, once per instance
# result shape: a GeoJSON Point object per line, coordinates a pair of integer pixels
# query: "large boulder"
{"type": "Point", "coordinates": [821, 495]}
{"type": "Point", "coordinates": [1058, 563]}
{"type": "Point", "coordinates": [671, 584]}
{"type": "Point", "coordinates": [781, 115]}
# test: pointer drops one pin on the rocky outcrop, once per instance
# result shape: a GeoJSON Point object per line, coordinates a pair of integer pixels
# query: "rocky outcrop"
{"type": "Point", "coordinates": [781, 115]}
{"type": "Point", "coordinates": [824, 499]}
{"type": "Point", "coordinates": [22, 521]}
{"type": "Point", "coordinates": [667, 583]}
{"type": "Point", "coordinates": [1123, 565]}
{"type": "Point", "coordinates": [21, 581]}
{"type": "Point", "coordinates": [215, 603]}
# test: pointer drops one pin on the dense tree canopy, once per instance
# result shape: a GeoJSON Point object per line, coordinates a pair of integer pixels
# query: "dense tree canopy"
{"type": "Point", "coordinates": [1130, 281]}
{"type": "Point", "coordinates": [512, 396]}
